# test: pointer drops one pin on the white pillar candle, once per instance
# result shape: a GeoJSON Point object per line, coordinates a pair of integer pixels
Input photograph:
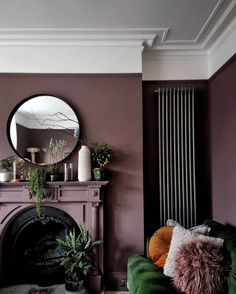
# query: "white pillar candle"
{"type": "Point", "coordinates": [14, 170]}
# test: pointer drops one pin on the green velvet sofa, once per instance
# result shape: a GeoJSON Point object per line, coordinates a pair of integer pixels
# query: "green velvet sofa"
{"type": "Point", "coordinates": [145, 278]}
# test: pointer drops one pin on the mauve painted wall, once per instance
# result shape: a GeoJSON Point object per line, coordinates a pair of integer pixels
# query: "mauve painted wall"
{"type": "Point", "coordinates": [110, 110]}
{"type": "Point", "coordinates": [222, 91]}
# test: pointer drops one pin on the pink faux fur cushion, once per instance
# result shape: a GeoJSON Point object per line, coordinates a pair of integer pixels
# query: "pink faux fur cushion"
{"type": "Point", "coordinates": [200, 268]}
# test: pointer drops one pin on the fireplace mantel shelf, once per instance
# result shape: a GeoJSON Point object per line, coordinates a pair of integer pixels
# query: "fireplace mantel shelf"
{"type": "Point", "coordinates": [71, 191]}
{"type": "Point", "coordinates": [67, 183]}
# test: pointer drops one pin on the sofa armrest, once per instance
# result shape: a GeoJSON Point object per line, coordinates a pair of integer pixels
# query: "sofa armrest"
{"type": "Point", "coordinates": [145, 278]}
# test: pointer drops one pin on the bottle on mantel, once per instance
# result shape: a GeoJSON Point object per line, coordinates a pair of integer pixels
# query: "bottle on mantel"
{"type": "Point", "coordinates": [84, 164]}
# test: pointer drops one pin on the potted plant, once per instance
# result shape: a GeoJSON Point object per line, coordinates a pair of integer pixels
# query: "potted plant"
{"type": "Point", "coordinates": [101, 157]}
{"type": "Point", "coordinates": [36, 187]}
{"type": "Point", "coordinates": [6, 166]}
{"type": "Point", "coordinates": [53, 172]}
{"type": "Point", "coordinates": [77, 251]}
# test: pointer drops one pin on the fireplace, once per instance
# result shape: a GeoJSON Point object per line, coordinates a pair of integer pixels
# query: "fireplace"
{"type": "Point", "coordinates": [28, 251]}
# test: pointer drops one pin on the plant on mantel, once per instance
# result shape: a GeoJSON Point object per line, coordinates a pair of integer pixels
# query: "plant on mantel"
{"type": "Point", "coordinates": [52, 171]}
{"type": "Point", "coordinates": [6, 164]}
{"type": "Point", "coordinates": [36, 187]}
{"type": "Point", "coordinates": [101, 158]}
{"type": "Point", "coordinates": [6, 167]}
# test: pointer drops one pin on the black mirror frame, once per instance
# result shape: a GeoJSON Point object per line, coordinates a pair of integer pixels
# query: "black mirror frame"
{"type": "Point", "coordinates": [13, 113]}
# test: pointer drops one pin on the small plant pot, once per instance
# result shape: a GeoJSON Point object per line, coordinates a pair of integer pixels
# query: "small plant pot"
{"type": "Point", "coordinates": [54, 178]}
{"type": "Point", "coordinates": [4, 176]}
{"type": "Point", "coordinates": [98, 174]}
{"type": "Point", "coordinates": [75, 287]}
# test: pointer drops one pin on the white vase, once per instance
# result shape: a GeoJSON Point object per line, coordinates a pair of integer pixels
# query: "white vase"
{"type": "Point", "coordinates": [84, 164]}
{"type": "Point", "coordinates": [4, 176]}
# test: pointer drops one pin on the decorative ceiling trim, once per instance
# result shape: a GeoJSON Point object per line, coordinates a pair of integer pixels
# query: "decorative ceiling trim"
{"type": "Point", "coordinates": [223, 49]}
{"type": "Point", "coordinates": [77, 37]}
{"type": "Point", "coordinates": [169, 54]}
{"type": "Point", "coordinates": [190, 64]}
{"type": "Point", "coordinates": [219, 24]}
{"type": "Point", "coordinates": [202, 34]}
{"type": "Point", "coordinates": [174, 65]}
{"type": "Point", "coordinates": [120, 50]}
{"type": "Point", "coordinates": [223, 37]}
{"type": "Point", "coordinates": [209, 21]}
{"type": "Point", "coordinates": [151, 38]}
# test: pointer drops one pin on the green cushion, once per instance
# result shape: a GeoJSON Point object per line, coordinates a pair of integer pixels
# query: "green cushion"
{"type": "Point", "coordinates": [228, 233]}
{"type": "Point", "coordinates": [145, 278]}
{"type": "Point", "coordinates": [216, 227]}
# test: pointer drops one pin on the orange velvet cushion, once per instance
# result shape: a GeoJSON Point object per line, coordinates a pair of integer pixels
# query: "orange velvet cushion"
{"type": "Point", "coordinates": [159, 245]}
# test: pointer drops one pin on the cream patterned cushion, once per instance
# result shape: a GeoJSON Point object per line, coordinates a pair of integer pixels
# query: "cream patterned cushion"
{"type": "Point", "coordinates": [201, 229]}
{"type": "Point", "coordinates": [182, 236]}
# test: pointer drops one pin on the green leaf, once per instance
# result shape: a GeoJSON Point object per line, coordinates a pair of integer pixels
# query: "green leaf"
{"type": "Point", "coordinates": [77, 251]}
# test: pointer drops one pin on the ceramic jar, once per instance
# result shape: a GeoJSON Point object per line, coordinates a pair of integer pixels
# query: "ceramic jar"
{"type": "Point", "coordinates": [84, 164]}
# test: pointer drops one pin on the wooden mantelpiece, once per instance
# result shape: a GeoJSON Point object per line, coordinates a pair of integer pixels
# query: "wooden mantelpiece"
{"type": "Point", "coordinates": [83, 201]}
{"type": "Point", "coordinates": [79, 191]}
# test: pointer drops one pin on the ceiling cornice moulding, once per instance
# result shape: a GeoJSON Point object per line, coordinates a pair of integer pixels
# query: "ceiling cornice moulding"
{"type": "Point", "coordinates": [77, 37]}
{"type": "Point", "coordinates": [223, 49]}
{"type": "Point", "coordinates": [100, 50]}
{"type": "Point", "coordinates": [207, 35]}
{"type": "Point", "coordinates": [150, 38]}
{"type": "Point", "coordinates": [175, 65]}
{"type": "Point", "coordinates": [73, 50]}
{"type": "Point", "coordinates": [220, 25]}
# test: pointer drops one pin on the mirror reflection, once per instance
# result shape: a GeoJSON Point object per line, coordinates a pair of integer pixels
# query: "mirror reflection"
{"type": "Point", "coordinates": [43, 130]}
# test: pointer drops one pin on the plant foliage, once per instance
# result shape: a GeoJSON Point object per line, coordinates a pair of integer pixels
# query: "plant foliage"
{"type": "Point", "coordinates": [77, 253]}
{"type": "Point", "coordinates": [36, 187]}
{"type": "Point", "coordinates": [52, 169]}
{"type": "Point", "coordinates": [101, 154]}
{"type": "Point", "coordinates": [7, 164]}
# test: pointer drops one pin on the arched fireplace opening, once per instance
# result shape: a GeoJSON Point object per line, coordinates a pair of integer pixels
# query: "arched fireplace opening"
{"type": "Point", "coordinates": [30, 253]}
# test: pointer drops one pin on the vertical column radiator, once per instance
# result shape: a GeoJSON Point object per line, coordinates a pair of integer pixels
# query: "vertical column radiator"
{"type": "Point", "coordinates": [176, 147]}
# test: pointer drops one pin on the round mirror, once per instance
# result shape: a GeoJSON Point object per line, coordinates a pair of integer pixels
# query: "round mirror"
{"type": "Point", "coordinates": [43, 129]}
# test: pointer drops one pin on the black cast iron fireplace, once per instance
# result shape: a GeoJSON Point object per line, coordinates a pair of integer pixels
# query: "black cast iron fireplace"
{"type": "Point", "coordinates": [30, 253]}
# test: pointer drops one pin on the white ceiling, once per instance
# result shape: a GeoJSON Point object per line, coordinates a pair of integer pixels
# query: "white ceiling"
{"type": "Point", "coordinates": [162, 39]}
{"type": "Point", "coordinates": [176, 23]}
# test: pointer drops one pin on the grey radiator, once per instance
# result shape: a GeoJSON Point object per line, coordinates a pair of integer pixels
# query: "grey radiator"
{"type": "Point", "coordinates": [176, 141]}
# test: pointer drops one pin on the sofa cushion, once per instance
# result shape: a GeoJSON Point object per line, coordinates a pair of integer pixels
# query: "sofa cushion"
{"type": "Point", "coordinates": [200, 229]}
{"type": "Point", "coordinates": [145, 278]}
{"type": "Point", "coordinates": [181, 236]}
{"type": "Point", "coordinates": [200, 267]}
{"type": "Point", "coordinates": [228, 233]}
{"type": "Point", "coordinates": [216, 228]}
{"type": "Point", "coordinates": [159, 245]}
